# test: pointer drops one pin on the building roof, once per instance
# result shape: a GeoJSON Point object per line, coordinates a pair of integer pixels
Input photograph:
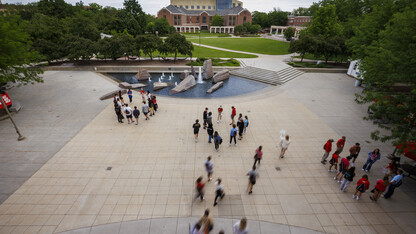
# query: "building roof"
{"type": "Point", "coordinates": [180, 10]}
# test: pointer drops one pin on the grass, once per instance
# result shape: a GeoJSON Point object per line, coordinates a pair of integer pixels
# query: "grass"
{"type": "Point", "coordinates": [200, 51]}
{"type": "Point", "coordinates": [215, 62]}
{"type": "Point", "coordinates": [309, 65]}
{"type": "Point", "coordinates": [205, 34]}
{"type": "Point", "coordinates": [253, 45]}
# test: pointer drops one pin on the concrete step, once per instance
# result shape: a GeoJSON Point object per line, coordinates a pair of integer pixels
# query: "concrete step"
{"type": "Point", "coordinates": [267, 76]}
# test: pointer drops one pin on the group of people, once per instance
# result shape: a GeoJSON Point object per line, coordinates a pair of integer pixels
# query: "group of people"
{"type": "Point", "coordinates": [149, 106]}
{"type": "Point", "coordinates": [346, 170]}
{"type": "Point", "coordinates": [205, 225]}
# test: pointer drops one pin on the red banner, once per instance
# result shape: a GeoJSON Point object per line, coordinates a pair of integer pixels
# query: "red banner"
{"type": "Point", "coordinates": [6, 99]}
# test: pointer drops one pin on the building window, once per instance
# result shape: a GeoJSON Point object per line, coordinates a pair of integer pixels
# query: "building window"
{"type": "Point", "coordinates": [197, 19]}
{"type": "Point", "coordinates": [188, 19]}
{"type": "Point", "coordinates": [209, 7]}
{"type": "Point", "coordinates": [210, 19]}
{"type": "Point", "coordinates": [186, 7]}
{"type": "Point", "coordinates": [192, 7]}
{"type": "Point", "coordinates": [179, 20]}
{"type": "Point", "coordinates": [244, 19]}
{"type": "Point", "coordinates": [204, 19]}
{"type": "Point", "coordinates": [234, 20]}
{"type": "Point", "coordinates": [203, 7]}
{"type": "Point", "coordinates": [197, 7]}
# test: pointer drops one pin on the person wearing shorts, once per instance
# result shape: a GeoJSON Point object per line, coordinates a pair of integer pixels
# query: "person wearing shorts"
{"type": "Point", "coordinates": [333, 162]}
{"type": "Point", "coordinates": [233, 114]}
{"type": "Point", "coordinates": [145, 110]}
{"type": "Point", "coordinates": [219, 114]}
{"type": "Point", "coordinates": [136, 114]}
{"type": "Point", "coordinates": [252, 177]}
{"type": "Point", "coordinates": [129, 113]}
{"type": "Point", "coordinates": [343, 167]}
{"type": "Point", "coordinates": [209, 167]}
{"type": "Point", "coordinates": [354, 151]}
{"type": "Point", "coordinates": [196, 127]}
{"type": "Point", "coordinates": [362, 185]}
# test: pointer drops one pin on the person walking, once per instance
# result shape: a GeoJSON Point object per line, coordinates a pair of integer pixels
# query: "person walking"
{"type": "Point", "coordinates": [327, 150]}
{"type": "Point", "coordinates": [122, 101]}
{"type": "Point", "coordinates": [380, 187]}
{"type": "Point", "coordinates": [252, 177]}
{"type": "Point", "coordinates": [343, 167]}
{"type": "Point", "coordinates": [217, 140]}
{"type": "Point", "coordinates": [394, 183]}
{"type": "Point", "coordinates": [340, 145]}
{"type": "Point", "coordinates": [233, 134]}
{"type": "Point", "coordinates": [200, 188]}
{"type": "Point", "coordinates": [196, 228]}
{"type": "Point", "coordinates": [219, 114]}
{"type": "Point", "coordinates": [145, 110]}
{"type": "Point", "coordinates": [129, 113]}
{"type": "Point", "coordinates": [258, 156]}
{"type": "Point", "coordinates": [233, 114]}
{"type": "Point", "coordinates": [151, 107]}
{"type": "Point", "coordinates": [210, 131]}
{"type": "Point", "coordinates": [354, 151]}
{"type": "Point", "coordinates": [209, 118]}
{"type": "Point", "coordinates": [209, 167]}
{"type": "Point", "coordinates": [205, 116]}
{"type": "Point", "coordinates": [117, 109]}
{"type": "Point", "coordinates": [219, 191]}
{"type": "Point", "coordinates": [245, 123]}
{"type": "Point", "coordinates": [348, 178]}
{"type": "Point", "coordinates": [333, 162]}
{"type": "Point", "coordinates": [115, 99]}
{"type": "Point", "coordinates": [136, 114]}
{"type": "Point", "coordinates": [196, 127]}
{"type": "Point", "coordinates": [373, 156]}
{"type": "Point", "coordinates": [240, 125]}
{"type": "Point", "coordinates": [284, 144]}
{"type": "Point", "coordinates": [130, 94]}
{"type": "Point", "coordinates": [143, 93]}
{"type": "Point", "coordinates": [240, 227]}
{"type": "Point", "coordinates": [207, 222]}
{"type": "Point", "coordinates": [155, 105]}
{"type": "Point", "coordinates": [362, 185]}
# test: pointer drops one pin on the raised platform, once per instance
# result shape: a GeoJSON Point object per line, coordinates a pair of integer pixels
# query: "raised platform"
{"type": "Point", "coordinates": [267, 76]}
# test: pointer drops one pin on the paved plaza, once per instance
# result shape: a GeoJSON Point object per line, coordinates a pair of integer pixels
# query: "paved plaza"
{"type": "Point", "coordinates": [104, 177]}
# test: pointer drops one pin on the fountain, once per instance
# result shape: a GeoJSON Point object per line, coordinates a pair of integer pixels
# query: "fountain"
{"type": "Point", "coordinates": [199, 81]}
{"type": "Point", "coordinates": [170, 77]}
{"type": "Point", "coordinates": [163, 74]}
{"type": "Point", "coordinates": [171, 74]}
{"type": "Point", "coordinates": [159, 80]}
{"type": "Point", "coordinates": [176, 83]}
{"type": "Point", "coordinates": [150, 79]}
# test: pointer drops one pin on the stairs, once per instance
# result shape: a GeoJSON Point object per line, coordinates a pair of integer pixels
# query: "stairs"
{"type": "Point", "coordinates": [267, 76]}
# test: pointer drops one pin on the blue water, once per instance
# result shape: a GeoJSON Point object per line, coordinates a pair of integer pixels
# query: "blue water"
{"type": "Point", "coordinates": [231, 87]}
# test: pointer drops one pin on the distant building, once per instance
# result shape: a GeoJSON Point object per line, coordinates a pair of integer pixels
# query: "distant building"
{"type": "Point", "coordinates": [194, 20]}
{"type": "Point", "coordinates": [209, 5]}
{"type": "Point", "coordinates": [298, 21]}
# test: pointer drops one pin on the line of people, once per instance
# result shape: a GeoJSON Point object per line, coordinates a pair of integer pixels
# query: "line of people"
{"type": "Point", "coordinates": [149, 107]}
{"type": "Point", "coordinates": [345, 174]}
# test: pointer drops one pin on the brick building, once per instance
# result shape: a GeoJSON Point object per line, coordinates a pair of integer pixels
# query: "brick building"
{"type": "Point", "coordinates": [297, 21]}
{"type": "Point", "coordinates": [194, 20]}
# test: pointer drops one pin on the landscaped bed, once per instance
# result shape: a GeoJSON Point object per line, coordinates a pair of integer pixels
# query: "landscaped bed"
{"type": "Point", "coordinates": [216, 62]}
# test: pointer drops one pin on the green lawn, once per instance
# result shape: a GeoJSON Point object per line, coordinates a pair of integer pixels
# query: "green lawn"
{"type": "Point", "coordinates": [254, 45]}
{"type": "Point", "coordinates": [204, 52]}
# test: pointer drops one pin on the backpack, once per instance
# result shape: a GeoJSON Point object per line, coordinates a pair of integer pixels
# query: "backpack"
{"type": "Point", "coordinates": [324, 146]}
{"type": "Point", "coordinates": [220, 141]}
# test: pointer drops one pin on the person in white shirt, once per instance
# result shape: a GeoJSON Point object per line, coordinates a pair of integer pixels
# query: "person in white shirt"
{"type": "Point", "coordinates": [284, 144]}
{"type": "Point", "coordinates": [129, 113]}
{"type": "Point", "coordinates": [240, 227]}
{"type": "Point", "coordinates": [219, 191]}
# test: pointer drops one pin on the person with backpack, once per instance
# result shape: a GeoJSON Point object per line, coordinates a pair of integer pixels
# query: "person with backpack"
{"type": "Point", "coordinates": [380, 187]}
{"type": "Point", "coordinates": [252, 177]}
{"type": "Point", "coordinates": [210, 131]}
{"type": "Point", "coordinates": [333, 162]}
{"type": "Point", "coordinates": [373, 156]}
{"type": "Point", "coordinates": [129, 113]}
{"type": "Point", "coordinates": [394, 183]}
{"type": "Point", "coordinates": [217, 140]}
{"type": "Point", "coordinates": [209, 167]}
{"type": "Point", "coordinates": [200, 188]}
{"type": "Point", "coordinates": [327, 150]}
{"type": "Point", "coordinates": [362, 185]}
{"type": "Point", "coordinates": [348, 178]}
{"type": "Point", "coordinates": [343, 167]}
{"type": "Point", "coordinates": [130, 94]}
{"type": "Point", "coordinates": [219, 191]}
{"type": "Point", "coordinates": [258, 156]}
{"type": "Point", "coordinates": [233, 134]}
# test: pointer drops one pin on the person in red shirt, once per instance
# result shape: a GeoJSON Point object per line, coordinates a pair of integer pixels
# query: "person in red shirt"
{"type": "Point", "coordinates": [362, 185]}
{"type": "Point", "coordinates": [219, 114]}
{"type": "Point", "coordinates": [233, 114]}
{"type": "Point", "coordinates": [343, 167]}
{"type": "Point", "coordinates": [200, 188]}
{"type": "Point", "coordinates": [340, 144]}
{"type": "Point", "coordinates": [333, 162]}
{"type": "Point", "coordinates": [327, 150]}
{"type": "Point", "coordinates": [380, 187]}
{"type": "Point", "coordinates": [258, 156]}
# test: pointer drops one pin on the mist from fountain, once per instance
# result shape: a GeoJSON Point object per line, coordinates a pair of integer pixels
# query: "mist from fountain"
{"type": "Point", "coordinates": [199, 80]}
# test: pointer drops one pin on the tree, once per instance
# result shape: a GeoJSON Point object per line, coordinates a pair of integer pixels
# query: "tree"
{"type": "Point", "coordinates": [261, 19]}
{"type": "Point", "coordinates": [82, 25]}
{"type": "Point", "coordinates": [149, 44]}
{"type": "Point", "coordinates": [162, 27]}
{"type": "Point", "coordinates": [133, 8]}
{"type": "Point", "coordinates": [390, 61]}
{"type": "Point", "coordinates": [278, 17]}
{"type": "Point", "coordinates": [125, 20]}
{"type": "Point", "coordinates": [305, 44]}
{"type": "Point", "coordinates": [176, 44]}
{"type": "Point", "coordinates": [240, 29]}
{"type": "Point", "coordinates": [16, 54]}
{"type": "Point", "coordinates": [325, 23]}
{"type": "Point", "coordinates": [289, 33]}
{"type": "Point", "coordinates": [217, 20]}
{"type": "Point", "coordinates": [56, 8]}
{"type": "Point", "coordinates": [77, 48]}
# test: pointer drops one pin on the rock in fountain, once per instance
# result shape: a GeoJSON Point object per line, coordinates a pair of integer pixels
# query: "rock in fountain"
{"type": "Point", "coordinates": [192, 71]}
{"type": "Point", "coordinates": [215, 87]}
{"type": "Point", "coordinates": [208, 72]}
{"type": "Point", "coordinates": [184, 74]}
{"type": "Point", "coordinates": [222, 75]}
{"type": "Point", "coordinates": [188, 83]}
{"type": "Point", "coordinates": [143, 74]}
{"type": "Point", "coordinates": [161, 85]}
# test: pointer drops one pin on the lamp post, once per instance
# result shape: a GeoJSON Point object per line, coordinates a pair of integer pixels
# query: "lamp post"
{"type": "Point", "coordinates": [199, 35]}
{"type": "Point", "coordinates": [21, 137]}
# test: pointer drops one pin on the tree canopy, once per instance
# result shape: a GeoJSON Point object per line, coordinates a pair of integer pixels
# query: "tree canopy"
{"type": "Point", "coordinates": [217, 20]}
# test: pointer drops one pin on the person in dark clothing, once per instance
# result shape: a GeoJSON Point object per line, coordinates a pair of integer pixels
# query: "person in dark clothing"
{"type": "Point", "coordinates": [196, 127]}
{"type": "Point", "coordinates": [240, 125]}
{"type": "Point", "coordinates": [205, 116]}
{"type": "Point", "coordinates": [219, 191]}
{"type": "Point", "coordinates": [217, 140]}
{"type": "Point", "coordinates": [210, 131]}
{"type": "Point", "coordinates": [120, 117]}
{"type": "Point", "coordinates": [136, 114]}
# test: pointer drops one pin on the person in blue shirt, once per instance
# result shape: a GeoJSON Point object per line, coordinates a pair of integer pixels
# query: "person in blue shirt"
{"type": "Point", "coordinates": [233, 134]}
{"type": "Point", "coordinates": [395, 182]}
{"type": "Point", "coordinates": [373, 156]}
{"type": "Point", "coordinates": [130, 93]}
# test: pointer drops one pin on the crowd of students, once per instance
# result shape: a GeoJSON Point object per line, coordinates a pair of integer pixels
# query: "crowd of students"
{"type": "Point", "coordinates": [346, 170]}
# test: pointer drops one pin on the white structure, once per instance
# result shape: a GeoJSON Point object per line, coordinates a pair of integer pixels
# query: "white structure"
{"type": "Point", "coordinates": [103, 35]}
{"type": "Point", "coordinates": [187, 28]}
{"type": "Point", "coordinates": [354, 69]}
{"type": "Point", "coordinates": [282, 29]}
{"type": "Point", "coordinates": [221, 29]}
